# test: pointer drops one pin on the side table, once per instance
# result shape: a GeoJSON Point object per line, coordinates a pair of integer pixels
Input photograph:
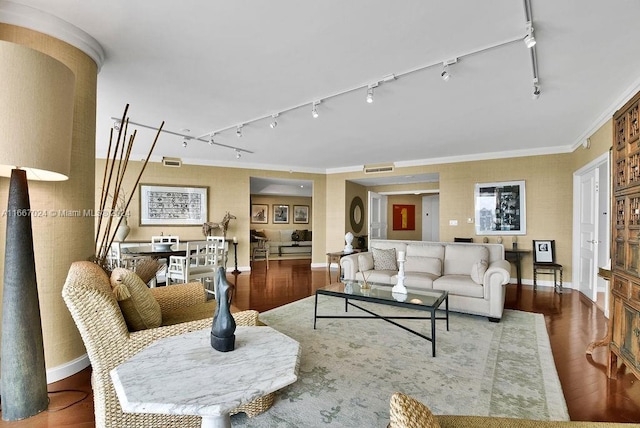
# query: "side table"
{"type": "Point", "coordinates": [335, 257]}
{"type": "Point", "coordinates": [515, 256]}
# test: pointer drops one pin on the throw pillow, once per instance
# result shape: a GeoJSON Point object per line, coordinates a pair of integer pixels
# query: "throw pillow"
{"type": "Point", "coordinates": [139, 308]}
{"type": "Point", "coordinates": [406, 412]}
{"type": "Point", "coordinates": [477, 271]}
{"type": "Point", "coordinates": [365, 262]}
{"type": "Point", "coordinates": [384, 259]}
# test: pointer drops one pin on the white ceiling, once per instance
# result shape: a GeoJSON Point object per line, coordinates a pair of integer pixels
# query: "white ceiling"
{"type": "Point", "coordinates": [208, 65]}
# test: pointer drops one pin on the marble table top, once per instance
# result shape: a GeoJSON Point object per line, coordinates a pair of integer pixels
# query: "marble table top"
{"type": "Point", "coordinates": [184, 375]}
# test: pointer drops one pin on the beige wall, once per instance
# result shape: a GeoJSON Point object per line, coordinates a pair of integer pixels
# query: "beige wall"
{"type": "Point", "coordinates": [228, 190]}
{"type": "Point", "coordinates": [59, 241]}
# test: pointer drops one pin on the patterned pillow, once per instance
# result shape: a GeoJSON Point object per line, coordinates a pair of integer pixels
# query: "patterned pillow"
{"type": "Point", "coordinates": [384, 259]}
{"type": "Point", "coordinates": [477, 271]}
{"type": "Point", "coordinates": [140, 309]}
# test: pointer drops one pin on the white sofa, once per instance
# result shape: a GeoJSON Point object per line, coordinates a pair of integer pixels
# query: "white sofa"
{"type": "Point", "coordinates": [281, 243]}
{"type": "Point", "coordinates": [473, 274]}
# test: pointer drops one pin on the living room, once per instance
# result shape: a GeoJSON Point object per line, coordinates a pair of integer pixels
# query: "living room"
{"type": "Point", "coordinates": [548, 175]}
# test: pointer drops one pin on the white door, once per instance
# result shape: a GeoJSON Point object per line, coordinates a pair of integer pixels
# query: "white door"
{"type": "Point", "coordinates": [588, 233]}
{"type": "Point", "coordinates": [377, 216]}
{"type": "Point", "coordinates": [431, 218]}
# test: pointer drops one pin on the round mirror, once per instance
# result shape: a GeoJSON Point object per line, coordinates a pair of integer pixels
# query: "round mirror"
{"type": "Point", "coordinates": [356, 214]}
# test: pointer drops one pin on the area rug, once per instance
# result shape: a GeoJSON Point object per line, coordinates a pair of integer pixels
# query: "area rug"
{"type": "Point", "coordinates": [350, 368]}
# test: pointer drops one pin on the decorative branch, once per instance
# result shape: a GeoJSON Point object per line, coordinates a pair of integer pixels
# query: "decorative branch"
{"type": "Point", "coordinates": [114, 175]}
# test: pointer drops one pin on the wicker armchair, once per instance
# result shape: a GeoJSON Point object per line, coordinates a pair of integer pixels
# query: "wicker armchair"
{"type": "Point", "coordinates": [88, 295]}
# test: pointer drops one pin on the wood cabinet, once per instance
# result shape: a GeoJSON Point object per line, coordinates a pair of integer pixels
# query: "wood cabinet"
{"type": "Point", "coordinates": [624, 345]}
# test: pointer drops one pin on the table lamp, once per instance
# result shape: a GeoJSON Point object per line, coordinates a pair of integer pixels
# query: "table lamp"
{"type": "Point", "coordinates": [36, 126]}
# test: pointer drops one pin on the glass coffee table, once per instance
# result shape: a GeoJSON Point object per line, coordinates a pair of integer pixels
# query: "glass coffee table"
{"type": "Point", "coordinates": [423, 300]}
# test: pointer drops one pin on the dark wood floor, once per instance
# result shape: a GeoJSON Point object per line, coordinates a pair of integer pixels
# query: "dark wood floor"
{"type": "Point", "coordinates": [572, 322]}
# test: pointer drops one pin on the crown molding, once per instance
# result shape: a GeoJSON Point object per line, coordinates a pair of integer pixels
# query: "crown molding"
{"type": "Point", "coordinates": [43, 22]}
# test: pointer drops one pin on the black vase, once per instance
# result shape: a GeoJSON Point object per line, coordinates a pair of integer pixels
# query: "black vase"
{"type": "Point", "coordinates": [223, 328]}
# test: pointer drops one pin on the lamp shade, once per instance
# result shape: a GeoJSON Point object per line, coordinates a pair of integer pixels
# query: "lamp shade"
{"type": "Point", "coordinates": [36, 113]}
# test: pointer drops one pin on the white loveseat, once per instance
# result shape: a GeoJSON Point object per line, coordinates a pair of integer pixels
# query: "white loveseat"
{"type": "Point", "coordinates": [281, 242]}
{"type": "Point", "coordinates": [473, 274]}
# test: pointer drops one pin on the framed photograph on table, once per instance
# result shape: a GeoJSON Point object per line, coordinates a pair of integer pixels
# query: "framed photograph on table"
{"type": "Point", "coordinates": [500, 208]}
{"type": "Point", "coordinates": [162, 205]}
{"type": "Point", "coordinates": [259, 213]}
{"type": "Point", "coordinates": [280, 214]}
{"type": "Point", "coordinates": [301, 214]}
{"type": "Point", "coordinates": [543, 251]}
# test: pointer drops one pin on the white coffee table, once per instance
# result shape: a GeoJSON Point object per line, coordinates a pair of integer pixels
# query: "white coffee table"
{"type": "Point", "coordinates": [184, 375]}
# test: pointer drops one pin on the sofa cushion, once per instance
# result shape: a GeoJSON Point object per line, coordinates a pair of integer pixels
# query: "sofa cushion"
{"type": "Point", "coordinates": [477, 271]}
{"type": "Point", "coordinates": [365, 261]}
{"type": "Point", "coordinates": [384, 259]}
{"type": "Point", "coordinates": [431, 265]}
{"type": "Point", "coordinates": [139, 308]}
{"type": "Point", "coordinates": [460, 285]}
{"type": "Point", "coordinates": [274, 235]}
{"type": "Point", "coordinates": [459, 258]}
{"type": "Point", "coordinates": [419, 280]}
{"type": "Point", "coordinates": [426, 250]}
{"type": "Point", "coordinates": [379, 276]}
{"type": "Point", "coordinates": [285, 235]}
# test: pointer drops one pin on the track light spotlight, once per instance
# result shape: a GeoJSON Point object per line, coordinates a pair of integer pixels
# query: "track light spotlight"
{"type": "Point", "coordinates": [314, 109]}
{"type": "Point", "coordinates": [116, 125]}
{"type": "Point", "coordinates": [274, 123]}
{"type": "Point", "coordinates": [445, 73]}
{"type": "Point", "coordinates": [211, 142]}
{"type": "Point", "coordinates": [370, 95]}
{"type": "Point", "coordinates": [185, 143]}
{"type": "Point", "coordinates": [536, 92]}
{"type": "Point", "coordinates": [238, 154]}
{"type": "Point", "coordinates": [529, 39]}
{"type": "Point", "coordinates": [239, 131]}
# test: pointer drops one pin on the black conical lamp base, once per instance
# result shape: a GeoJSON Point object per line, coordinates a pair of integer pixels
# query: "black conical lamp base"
{"type": "Point", "coordinates": [24, 378]}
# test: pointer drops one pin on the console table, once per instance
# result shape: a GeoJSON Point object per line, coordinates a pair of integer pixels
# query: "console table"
{"type": "Point", "coordinates": [184, 375]}
{"type": "Point", "coordinates": [515, 256]}
{"type": "Point", "coordinates": [280, 247]}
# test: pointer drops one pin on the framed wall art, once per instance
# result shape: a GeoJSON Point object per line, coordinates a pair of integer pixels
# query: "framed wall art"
{"type": "Point", "coordinates": [301, 214]}
{"type": "Point", "coordinates": [500, 208]}
{"type": "Point", "coordinates": [280, 214]}
{"type": "Point", "coordinates": [404, 217]}
{"type": "Point", "coordinates": [259, 213]}
{"type": "Point", "coordinates": [162, 205]}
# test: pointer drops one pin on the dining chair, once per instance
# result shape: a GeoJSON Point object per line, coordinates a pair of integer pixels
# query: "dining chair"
{"type": "Point", "coordinates": [221, 250]}
{"type": "Point", "coordinates": [159, 243]}
{"type": "Point", "coordinates": [261, 250]}
{"type": "Point", "coordinates": [199, 264]}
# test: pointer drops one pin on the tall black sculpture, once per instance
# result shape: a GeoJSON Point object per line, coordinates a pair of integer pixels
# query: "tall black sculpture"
{"type": "Point", "coordinates": [223, 328]}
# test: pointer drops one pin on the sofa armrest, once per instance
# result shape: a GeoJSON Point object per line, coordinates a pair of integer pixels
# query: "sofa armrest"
{"type": "Point", "coordinates": [349, 266]}
{"type": "Point", "coordinates": [497, 275]}
{"type": "Point", "coordinates": [179, 295]}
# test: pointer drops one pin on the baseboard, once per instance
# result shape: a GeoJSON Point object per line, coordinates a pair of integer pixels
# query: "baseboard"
{"type": "Point", "coordinates": [65, 370]}
{"type": "Point", "coordinates": [541, 283]}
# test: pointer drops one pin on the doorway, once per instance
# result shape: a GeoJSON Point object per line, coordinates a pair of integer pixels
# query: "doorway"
{"type": "Point", "coordinates": [591, 234]}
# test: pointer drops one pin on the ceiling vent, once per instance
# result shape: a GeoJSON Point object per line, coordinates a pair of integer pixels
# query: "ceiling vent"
{"type": "Point", "coordinates": [376, 169]}
{"type": "Point", "coordinates": [172, 162]}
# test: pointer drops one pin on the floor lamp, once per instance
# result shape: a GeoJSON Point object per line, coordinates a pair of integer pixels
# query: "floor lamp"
{"type": "Point", "coordinates": [36, 125]}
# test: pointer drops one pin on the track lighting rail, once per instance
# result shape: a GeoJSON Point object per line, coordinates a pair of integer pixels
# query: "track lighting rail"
{"type": "Point", "coordinates": [186, 137]}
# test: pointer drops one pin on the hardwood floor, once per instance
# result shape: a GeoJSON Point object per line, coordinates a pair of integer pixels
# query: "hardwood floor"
{"type": "Point", "coordinates": [573, 321]}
